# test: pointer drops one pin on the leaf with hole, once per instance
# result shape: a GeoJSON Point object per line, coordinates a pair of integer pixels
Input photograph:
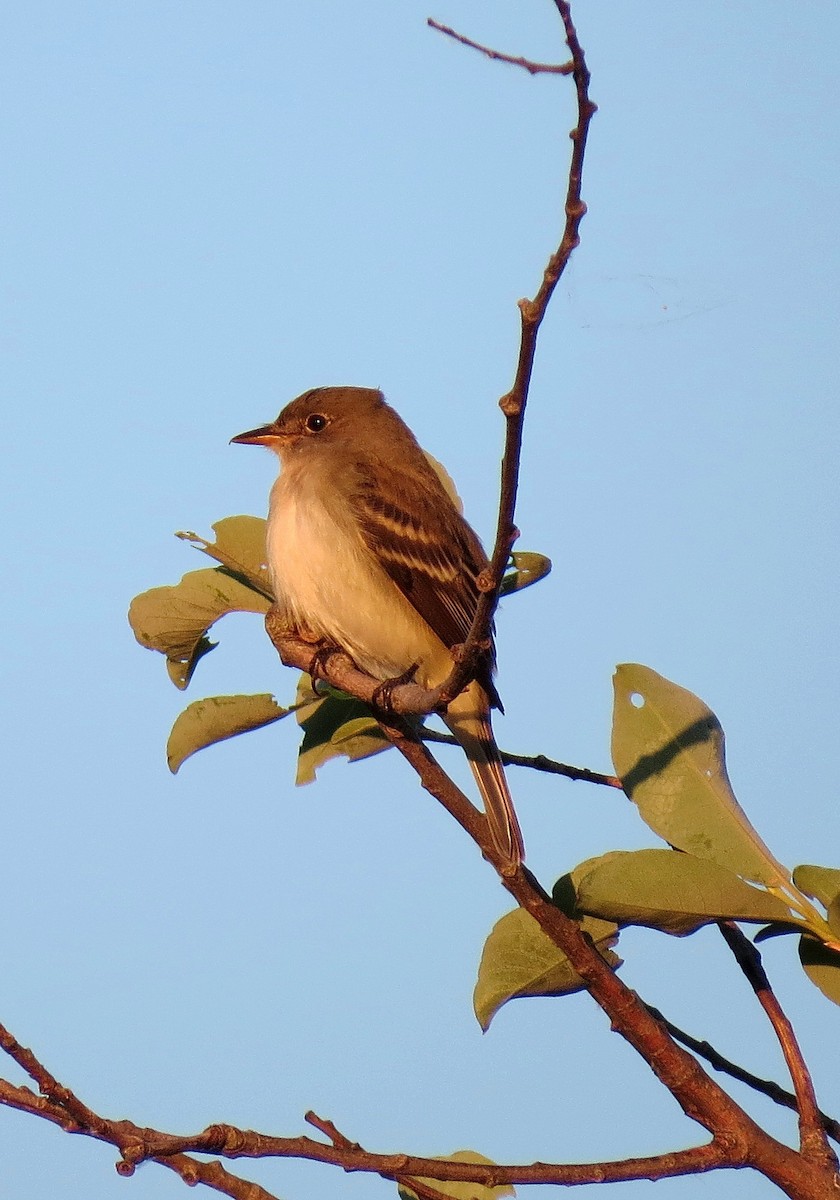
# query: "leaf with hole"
{"type": "Point", "coordinates": [668, 749]}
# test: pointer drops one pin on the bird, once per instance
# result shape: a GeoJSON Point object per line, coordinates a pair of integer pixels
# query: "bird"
{"type": "Point", "coordinates": [367, 551]}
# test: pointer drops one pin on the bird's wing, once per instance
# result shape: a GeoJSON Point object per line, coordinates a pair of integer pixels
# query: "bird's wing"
{"type": "Point", "coordinates": [426, 547]}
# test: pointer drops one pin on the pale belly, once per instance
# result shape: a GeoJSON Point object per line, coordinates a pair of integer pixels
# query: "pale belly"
{"type": "Point", "coordinates": [327, 582]}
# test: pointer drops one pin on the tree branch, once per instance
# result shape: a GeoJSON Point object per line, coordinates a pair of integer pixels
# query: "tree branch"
{"type": "Point", "coordinates": [533, 68]}
{"type": "Point", "coordinates": [514, 402]}
{"type": "Point", "coordinates": [124, 1134]}
{"type": "Point", "coordinates": [172, 1151]}
{"type": "Point", "coordinates": [812, 1135]}
{"type": "Point", "coordinates": [698, 1095]}
{"type": "Point", "coordinates": [537, 762]}
{"type": "Point", "coordinates": [767, 1087]}
{"type": "Point", "coordinates": [405, 700]}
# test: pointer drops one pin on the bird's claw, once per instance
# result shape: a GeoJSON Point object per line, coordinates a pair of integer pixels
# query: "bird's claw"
{"type": "Point", "coordinates": [382, 697]}
{"type": "Point", "coordinates": [320, 660]}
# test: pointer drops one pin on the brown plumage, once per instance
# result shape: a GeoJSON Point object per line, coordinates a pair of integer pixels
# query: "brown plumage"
{"type": "Point", "coordinates": [368, 550]}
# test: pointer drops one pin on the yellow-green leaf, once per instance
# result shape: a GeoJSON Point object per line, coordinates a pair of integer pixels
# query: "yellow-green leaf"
{"type": "Point", "coordinates": [240, 548]}
{"type": "Point", "coordinates": [175, 620]}
{"type": "Point", "coordinates": [528, 567]}
{"type": "Point", "coordinates": [461, 1191]}
{"type": "Point", "coordinates": [823, 883]}
{"type": "Point", "coordinates": [519, 960]}
{"type": "Point", "coordinates": [217, 718]}
{"type": "Point", "coordinates": [822, 966]}
{"type": "Point", "coordinates": [334, 725]}
{"type": "Point", "coordinates": [180, 670]}
{"type": "Point", "coordinates": [834, 920]}
{"type": "Point", "coordinates": [670, 891]}
{"type": "Point", "coordinates": [668, 749]}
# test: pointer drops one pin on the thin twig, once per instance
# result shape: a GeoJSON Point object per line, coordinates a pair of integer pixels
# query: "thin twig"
{"type": "Point", "coordinates": [536, 762]}
{"type": "Point", "coordinates": [767, 1087]}
{"type": "Point", "coordinates": [124, 1134]}
{"type": "Point", "coordinates": [325, 1126]}
{"type": "Point", "coordinates": [405, 699]}
{"type": "Point", "coordinates": [533, 68]}
{"type": "Point", "coordinates": [421, 1188]}
{"type": "Point", "coordinates": [53, 1091]}
{"type": "Point", "coordinates": [215, 1176]}
{"type": "Point", "coordinates": [812, 1135]}
{"type": "Point", "coordinates": [513, 403]}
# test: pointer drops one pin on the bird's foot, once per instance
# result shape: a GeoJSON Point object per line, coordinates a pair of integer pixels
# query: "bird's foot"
{"type": "Point", "coordinates": [383, 695]}
{"type": "Point", "coordinates": [324, 651]}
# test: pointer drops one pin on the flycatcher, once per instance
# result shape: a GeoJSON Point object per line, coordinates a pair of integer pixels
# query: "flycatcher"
{"type": "Point", "coordinates": [367, 551]}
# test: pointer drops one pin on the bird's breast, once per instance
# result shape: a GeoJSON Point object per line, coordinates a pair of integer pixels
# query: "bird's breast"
{"type": "Point", "coordinates": [327, 581]}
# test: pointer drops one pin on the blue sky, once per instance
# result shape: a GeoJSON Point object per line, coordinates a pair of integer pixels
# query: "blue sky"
{"type": "Point", "coordinates": [211, 207]}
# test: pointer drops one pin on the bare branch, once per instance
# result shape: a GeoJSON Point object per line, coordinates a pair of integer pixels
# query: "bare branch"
{"type": "Point", "coordinates": [533, 68]}
{"type": "Point", "coordinates": [767, 1087]}
{"type": "Point", "coordinates": [173, 1152]}
{"type": "Point", "coordinates": [513, 403]}
{"type": "Point", "coordinates": [537, 762]}
{"type": "Point", "coordinates": [131, 1141]}
{"type": "Point", "coordinates": [812, 1135]}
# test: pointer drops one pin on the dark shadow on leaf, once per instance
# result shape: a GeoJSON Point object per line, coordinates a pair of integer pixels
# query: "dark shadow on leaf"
{"type": "Point", "coordinates": [564, 895]}
{"type": "Point", "coordinates": [653, 764]}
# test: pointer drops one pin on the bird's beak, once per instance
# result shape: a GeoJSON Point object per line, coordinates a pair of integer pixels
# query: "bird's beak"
{"type": "Point", "coordinates": [264, 436]}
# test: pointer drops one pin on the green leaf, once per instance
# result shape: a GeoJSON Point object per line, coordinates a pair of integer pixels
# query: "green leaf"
{"type": "Point", "coordinates": [528, 567]}
{"type": "Point", "coordinates": [822, 966]}
{"type": "Point", "coordinates": [180, 671]}
{"type": "Point", "coordinates": [518, 960]}
{"type": "Point", "coordinates": [834, 921]}
{"type": "Point", "coordinates": [240, 548]}
{"type": "Point", "coordinates": [333, 725]}
{"type": "Point", "coordinates": [668, 749]}
{"type": "Point", "coordinates": [666, 890]}
{"type": "Point", "coordinates": [217, 718]}
{"type": "Point", "coordinates": [461, 1191]}
{"type": "Point", "coordinates": [822, 883]}
{"type": "Point", "coordinates": [175, 620]}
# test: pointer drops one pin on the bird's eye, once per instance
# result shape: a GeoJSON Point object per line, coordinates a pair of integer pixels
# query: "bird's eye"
{"type": "Point", "coordinates": [315, 422]}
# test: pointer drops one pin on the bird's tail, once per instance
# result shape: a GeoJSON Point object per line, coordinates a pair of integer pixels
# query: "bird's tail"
{"type": "Point", "coordinates": [468, 718]}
